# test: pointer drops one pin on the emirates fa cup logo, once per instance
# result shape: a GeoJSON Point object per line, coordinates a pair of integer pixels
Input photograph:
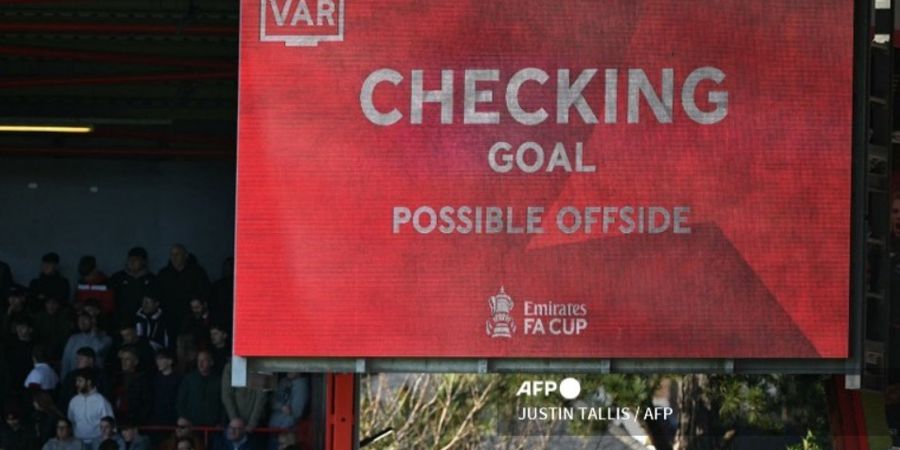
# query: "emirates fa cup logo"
{"type": "Point", "coordinates": [501, 323]}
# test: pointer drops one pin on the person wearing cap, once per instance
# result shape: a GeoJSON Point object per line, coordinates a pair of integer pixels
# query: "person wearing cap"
{"type": "Point", "coordinates": [88, 336]}
{"type": "Point", "coordinates": [131, 284]}
{"type": "Point", "coordinates": [16, 435]}
{"type": "Point", "coordinates": [49, 282]}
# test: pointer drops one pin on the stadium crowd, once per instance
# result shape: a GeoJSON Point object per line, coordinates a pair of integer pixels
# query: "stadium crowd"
{"type": "Point", "coordinates": [96, 367]}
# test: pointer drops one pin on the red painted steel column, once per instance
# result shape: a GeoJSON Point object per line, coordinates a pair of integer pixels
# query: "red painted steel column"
{"type": "Point", "coordinates": [339, 417]}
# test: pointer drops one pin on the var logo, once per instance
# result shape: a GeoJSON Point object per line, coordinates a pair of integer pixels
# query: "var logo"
{"type": "Point", "coordinates": [568, 388]}
{"type": "Point", "coordinates": [301, 22]}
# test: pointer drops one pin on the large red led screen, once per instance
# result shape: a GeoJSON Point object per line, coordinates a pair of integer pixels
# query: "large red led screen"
{"type": "Point", "coordinates": [527, 178]}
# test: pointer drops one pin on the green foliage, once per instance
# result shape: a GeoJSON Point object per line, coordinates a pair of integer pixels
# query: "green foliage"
{"type": "Point", "coordinates": [465, 411]}
{"type": "Point", "coordinates": [810, 442]}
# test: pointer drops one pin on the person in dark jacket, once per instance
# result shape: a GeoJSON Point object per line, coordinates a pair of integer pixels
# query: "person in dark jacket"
{"type": "Point", "coordinates": [6, 280]}
{"type": "Point", "coordinates": [49, 283]}
{"type": "Point", "coordinates": [197, 323]}
{"type": "Point", "coordinates": [152, 323]}
{"type": "Point", "coordinates": [220, 346]}
{"type": "Point", "coordinates": [200, 393]}
{"type": "Point", "coordinates": [45, 415]}
{"type": "Point", "coordinates": [132, 284]}
{"type": "Point", "coordinates": [15, 310]}
{"type": "Point", "coordinates": [165, 389]}
{"type": "Point", "coordinates": [221, 298]}
{"type": "Point", "coordinates": [16, 434]}
{"type": "Point", "coordinates": [19, 353]}
{"type": "Point", "coordinates": [131, 394]}
{"type": "Point", "coordinates": [129, 338]}
{"type": "Point", "coordinates": [53, 326]}
{"type": "Point", "coordinates": [236, 437]}
{"type": "Point", "coordinates": [181, 280]}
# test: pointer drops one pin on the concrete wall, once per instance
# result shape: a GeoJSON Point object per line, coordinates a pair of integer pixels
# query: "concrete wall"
{"type": "Point", "coordinates": [104, 207]}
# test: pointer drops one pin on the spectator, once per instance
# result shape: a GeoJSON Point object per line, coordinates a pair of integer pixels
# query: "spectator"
{"type": "Point", "coordinates": [16, 435]}
{"type": "Point", "coordinates": [104, 321]}
{"type": "Point", "coordinates": [19, 352]}
{"type": "Point", "coordinates": [165, 389]}
{"type": "Point", "coordinates": [131, 397]}
{"type": "Point", "coordinates": [221, 299]}
{"type": "Point", "coordinates": [152, 324]}
{"type": "Point", "coordinates": [88, 336]}
{"type": "Point", "coordinates": [130, 338]}
{"type": "Point", "coordinates": [87, 408]}
{"type": "Point", "coordinates": [131, 438]}
{"type": "Point", "coordinates": [5, 384]}
{"type": "Point", "coordinates": [186, 354]}
{"type": "Point", "coordinates": [64, 439]}
{"type": "Point", "coordinates": [245, 403]}
{"type": "Point", "coordinates": [285, 440]}
{"type": "Point", "coordinates": [220, 346]}
{"type": "Point", "coordinates": [181, 280]}
{"type": "Point", "coordinates": [49, 282]}
{"type": "Point", "coordinates": [184, 429]}
{"type": "Point", "coordinates": [289, 401]}
{"type": "Point", "coordinates": [92, 284]}
{"type": "Point", "coordinates": [6, 279]}
{"type": "Point", "coordinates": [197, 323]}
{"type": "Point", "coordinates": [132, 284]}
{"type": "Point", "coordinates": [200, 393]}
{"type": "Point", "coordinates": [108, 433]}
{"type": "Point", "coordinates": [45, 415]}
{"type": "Point", "coordinates": [42, 376]}
{"type": "Point", "coordinates": [236, 437]}
{"type": "Point", "coordinates": [184, 444]}
{"type": "Point", "coordinates": [108, 444]}
{"type": "Point", "coordinates": [53, 326]}
{"type": "Point", "coordinates": [15, 309]}
{"type": "Point", "coordinates": [85, 358]}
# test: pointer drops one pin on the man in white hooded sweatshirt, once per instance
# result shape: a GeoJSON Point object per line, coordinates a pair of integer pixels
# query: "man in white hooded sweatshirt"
{"type": "Point", "coordinates": [87, 408]}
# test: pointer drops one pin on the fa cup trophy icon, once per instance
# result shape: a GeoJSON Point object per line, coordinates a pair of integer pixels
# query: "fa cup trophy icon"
{"type": "Point", "coordinates": [500, 324]}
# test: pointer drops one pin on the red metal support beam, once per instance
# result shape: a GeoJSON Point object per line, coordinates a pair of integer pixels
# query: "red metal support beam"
{"type": "Point", "coordinates": [17, 83]}
{"type": "Point", "coordinates": [846, 415]}
{"type": "Point", "coordinates": [340, 411]}
{"type": "Point", "coordinates": [118, 28]}
{"type": "Point", "coordinates": [116, 58]}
